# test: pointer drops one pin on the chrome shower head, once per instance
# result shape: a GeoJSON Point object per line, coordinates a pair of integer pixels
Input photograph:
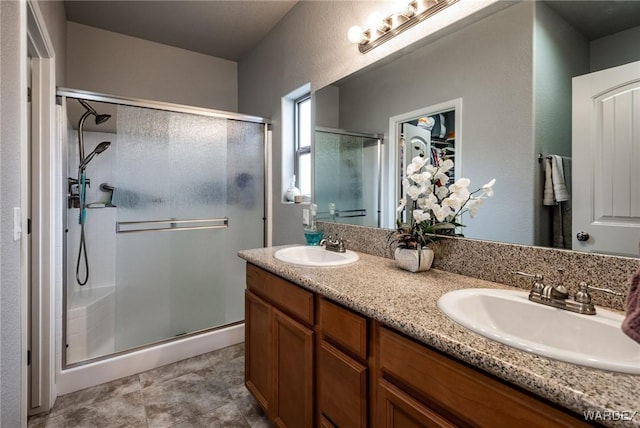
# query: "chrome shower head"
{"type": "Point", "coordinates": [100, 118]}
{"type": "Point", "coordinates": [99, 149]}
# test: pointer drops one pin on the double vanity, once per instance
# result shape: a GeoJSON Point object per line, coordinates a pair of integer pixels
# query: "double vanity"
{"type": "Point", "coordinates": [365, 344]}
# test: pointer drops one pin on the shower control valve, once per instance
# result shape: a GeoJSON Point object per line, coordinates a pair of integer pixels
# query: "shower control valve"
{"type": "Point", "coordinates": [73, 192]}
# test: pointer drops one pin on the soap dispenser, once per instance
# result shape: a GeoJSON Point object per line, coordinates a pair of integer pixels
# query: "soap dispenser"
{"type": "Point", "coordinates": [311, 233]}
{"type": "Point", "coordinates": [292, 191]}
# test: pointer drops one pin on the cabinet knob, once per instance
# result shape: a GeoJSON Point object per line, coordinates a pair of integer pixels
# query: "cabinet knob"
{"type": "Point", "coordinates": [582, 236]}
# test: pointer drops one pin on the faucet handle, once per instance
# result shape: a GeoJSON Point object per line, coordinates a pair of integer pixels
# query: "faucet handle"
{"type": "Point", "coordinates": [582, 295]}
{"type": "Point", "coordinates": [536, 277]}
{"type": "Point", "coordinates": [586, 287]}
{"type": "Point", "coordinates": [536, 286]}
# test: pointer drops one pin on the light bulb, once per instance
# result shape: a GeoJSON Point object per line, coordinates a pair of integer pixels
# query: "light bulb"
{"type": "Point", "coordinates": [355, 34]}
{"type": "Point", "coordinates": [374, 20]}
{"type": "Point", "coordinates": [404, 8]}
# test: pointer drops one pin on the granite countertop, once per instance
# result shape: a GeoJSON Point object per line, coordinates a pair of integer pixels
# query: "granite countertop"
{"type": "Point", "coordinates": [407, 302]}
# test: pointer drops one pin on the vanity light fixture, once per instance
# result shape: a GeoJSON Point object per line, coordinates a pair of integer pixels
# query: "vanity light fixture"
{"type": "Point", "coordinates": [406, 15]}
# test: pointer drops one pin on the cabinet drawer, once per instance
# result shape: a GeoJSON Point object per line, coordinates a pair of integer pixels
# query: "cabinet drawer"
{"type": "Point", "coordinates": [344, 327]}
{"type": "Point", "coordinates": [283, 294]}
{"type": "Point", "coordinates": [397, 409]}
{"type": "Point", "coordinates": [462, 393]}
{"type": "Point", "coordinates": [342, 388]}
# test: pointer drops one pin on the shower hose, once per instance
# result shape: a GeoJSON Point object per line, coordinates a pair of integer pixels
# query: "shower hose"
{"type": "Point", "coordinates": [82, 250]}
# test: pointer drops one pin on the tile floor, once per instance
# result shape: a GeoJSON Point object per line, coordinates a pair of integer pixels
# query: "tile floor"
{"type": "Point", "coordinates": [204, 391]}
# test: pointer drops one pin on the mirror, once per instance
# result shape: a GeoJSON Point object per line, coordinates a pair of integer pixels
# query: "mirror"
{"type": "Point", "coordinates": [512, 72]}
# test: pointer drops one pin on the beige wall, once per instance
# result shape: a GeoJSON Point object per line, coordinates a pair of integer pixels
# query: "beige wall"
{"type": "Point", "coordinates": [56, 22]}
{"type": "Point", "coordinates": [115, 64]}
{"type": "Point", "coordinates": [310, 45]}
{"type": "Point", "coordinates": [12, 77]}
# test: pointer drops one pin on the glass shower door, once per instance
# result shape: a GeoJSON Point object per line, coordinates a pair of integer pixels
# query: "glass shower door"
{"type": "Point", "coordinates": [342, 163]}
{"type": "Point", "coordinates": [177, 209]}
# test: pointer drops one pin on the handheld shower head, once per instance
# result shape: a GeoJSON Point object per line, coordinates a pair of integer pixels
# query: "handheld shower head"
{"type": "Point", "coordinates": [99, 149]}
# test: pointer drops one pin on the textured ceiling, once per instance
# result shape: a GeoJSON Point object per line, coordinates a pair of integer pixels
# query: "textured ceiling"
{"type": "Point", "coordinates": [224, 29]}
{"type": "Point", "coordinates": [230, 29]}
{"type": "Point", "coordinates": [595, 19]}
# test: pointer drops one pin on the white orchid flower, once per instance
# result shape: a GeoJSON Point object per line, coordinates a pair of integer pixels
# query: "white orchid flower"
{"type": "Point", "coordinates": [454, 203]}
{"type": "Point", "coordinates": [446, 165]}
{"type": "Point", "coordinates": [441, 212]}
{"type": "Point", "coordinates": [405, 185]}
{"type": "Point", "coordinates": [427, 202]}
{"type": "Point", "coordinates": [414, 192]}
{"type": "Point", "coordinates": [403, 203]}
{"type": "Point", "coordinates": [430, 169]}
{"type": "Point", "coordinates": [460, 184]}
{"type": "Point", "coordinates": [421, 178]}
{"type": "Point", "coordinates": [441, 192]}
{"type": "Point", "coordinates": [473, 206]}
{"type": "Point", "coordinates": [488, 188]}
{"type": "Point", "coordinates": [420, 216]}
{"type": "Point", "coordinates": [441, 177]}
{"type": "Point", "coordinates": [416, 164]}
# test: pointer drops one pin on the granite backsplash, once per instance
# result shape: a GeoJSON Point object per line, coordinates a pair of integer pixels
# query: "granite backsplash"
{"type": "Point", "coordinates": [496, 261]}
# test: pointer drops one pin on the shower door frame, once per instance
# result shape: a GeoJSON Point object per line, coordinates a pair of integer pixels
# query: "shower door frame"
{"type": "Point", "coordinates": [64, 94]}
{"type": "Point", "coordinates": [371, 135]}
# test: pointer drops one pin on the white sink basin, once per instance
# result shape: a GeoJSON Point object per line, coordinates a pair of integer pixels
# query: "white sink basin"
{"type": "Point", "coordinates": [509, 317]}
{"type": "Point", "coordinates": [314, 256]}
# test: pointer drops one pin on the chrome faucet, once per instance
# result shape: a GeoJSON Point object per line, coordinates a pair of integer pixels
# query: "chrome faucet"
{"type": "Point", "coordinates": [557, 296]}
{"type": "Point", "coordinates": [334, 244]}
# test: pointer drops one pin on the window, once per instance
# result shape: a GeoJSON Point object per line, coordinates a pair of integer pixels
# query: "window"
{"type": "Point", "coordinates": [302, 161]}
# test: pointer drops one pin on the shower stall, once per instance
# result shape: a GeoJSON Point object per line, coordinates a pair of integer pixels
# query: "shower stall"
{"type": "Point", "coordinates": [348, 167]}
{"type": "Point", "coordinates": [159, 199]}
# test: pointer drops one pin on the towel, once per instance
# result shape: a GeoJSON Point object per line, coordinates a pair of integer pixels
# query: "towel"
{"type": "Point", "coordinates": [631, 323]}
{"type": "Point", "coordinates": [548, 196]}
{"type": "Point", "coordinates": [557, 176]}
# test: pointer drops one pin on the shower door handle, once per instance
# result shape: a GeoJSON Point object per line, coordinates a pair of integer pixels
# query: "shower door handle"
{"type": "Point", "coordinates": [171, 225]}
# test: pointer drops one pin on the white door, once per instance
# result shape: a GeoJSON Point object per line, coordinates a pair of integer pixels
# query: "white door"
{"type": "Point", "coordinates": [606, 161]}
{"type": "Point", "coordinates": [417, 140]}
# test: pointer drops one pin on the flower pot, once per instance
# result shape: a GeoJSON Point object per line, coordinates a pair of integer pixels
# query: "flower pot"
{"type": "Point", "coordinates": [414, 260]}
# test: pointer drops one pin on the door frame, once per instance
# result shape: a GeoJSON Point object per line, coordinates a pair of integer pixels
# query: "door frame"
{"type": "Point", "coordinates": [40, 281]}
{"type": "Point", "coordinates": [393, 152]}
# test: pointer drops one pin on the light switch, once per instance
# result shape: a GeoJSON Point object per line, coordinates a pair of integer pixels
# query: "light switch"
{"type": "Point", "coordinates": [17, 223]}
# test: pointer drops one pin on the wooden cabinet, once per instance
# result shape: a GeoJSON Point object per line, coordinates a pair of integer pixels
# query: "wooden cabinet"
{"type": "Point", "coordinates": [258, 355]}
{"type": "Point", "coordinates": [455, 392]}
{"type": "Point", "coordinates": [279, 346]}
{"type": "Point", "coordinates": [311, 362]}
{"type": "Point", "coordinates": [293, 372]}
{"type": "Point", "coordinates": [342, 367]}
{"type": "Point", "coordinates": [398, 409]}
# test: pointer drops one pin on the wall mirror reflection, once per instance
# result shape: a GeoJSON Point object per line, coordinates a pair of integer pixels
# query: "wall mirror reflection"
{"type": "Point", "coordinates": [428, 132]}
{"type": "Point", "coordinates": [514, 71]}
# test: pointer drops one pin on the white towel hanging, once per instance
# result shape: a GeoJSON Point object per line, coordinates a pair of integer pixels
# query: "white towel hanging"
{"type": "Point", "coordinates": [548, 196]}
{"type": "Point", "coordinates": [560, 191]}
{"type": "Point", "coordinates": [555, 187]}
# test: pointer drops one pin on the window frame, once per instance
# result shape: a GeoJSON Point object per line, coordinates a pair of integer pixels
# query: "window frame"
{"type": "Point", "coordinates": [300, 151]}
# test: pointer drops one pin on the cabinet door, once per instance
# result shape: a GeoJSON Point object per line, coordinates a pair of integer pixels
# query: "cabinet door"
{"type": "Point", "coordinates": [397, 409]}
{"type": "Point", "coordinates": [342, 383]}
{"type": "Point", "coordinates": [293, 370]}
{"type": "Point", "coordinates": [257, 359]}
